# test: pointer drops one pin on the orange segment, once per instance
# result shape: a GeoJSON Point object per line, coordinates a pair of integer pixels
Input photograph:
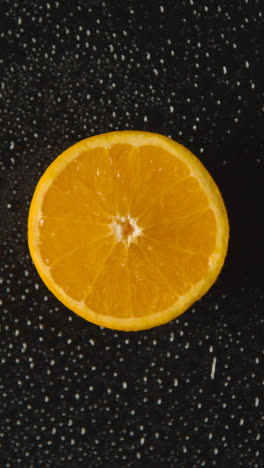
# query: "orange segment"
{"type": "Point", "coordinates": [110, 293]}
{"type": "Point", "coordinates": [103, 175]}
{"type": "Point", "coordinates": [156, 172]}
{"type": "Point", "coordinates": [150, 290]}
{"type": "Point", "coordinates": [196, 233]}
{"type": "Point", "coordinates": [186, 198]}
{"type": "Point", "coordinates": [76, 272]}
{"type": "Point", "coordinates": [56, 236]}
{"type": "Point", "coordinates": [127, 229]}
{"type": "Point", "coordinates": [181, 268]}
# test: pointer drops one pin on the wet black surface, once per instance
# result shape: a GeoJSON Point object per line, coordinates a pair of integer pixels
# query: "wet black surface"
{"type": "Point", "coordinates": [189, 393]}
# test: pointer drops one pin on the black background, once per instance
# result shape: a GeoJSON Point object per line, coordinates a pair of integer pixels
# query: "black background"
{"type": "Point", "coordinates": [73, 394]}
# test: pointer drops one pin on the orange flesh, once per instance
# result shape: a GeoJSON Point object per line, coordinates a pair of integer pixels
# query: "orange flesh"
{"type": "Point", "coordinates": [126, 230]}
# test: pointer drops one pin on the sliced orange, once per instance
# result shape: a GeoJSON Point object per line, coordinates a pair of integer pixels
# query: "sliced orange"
{"type": "Point", "coordinates": [128, 229]}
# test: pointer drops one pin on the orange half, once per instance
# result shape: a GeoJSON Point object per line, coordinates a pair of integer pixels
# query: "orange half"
{"type": "Point", "coordinates": [127, 229]}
